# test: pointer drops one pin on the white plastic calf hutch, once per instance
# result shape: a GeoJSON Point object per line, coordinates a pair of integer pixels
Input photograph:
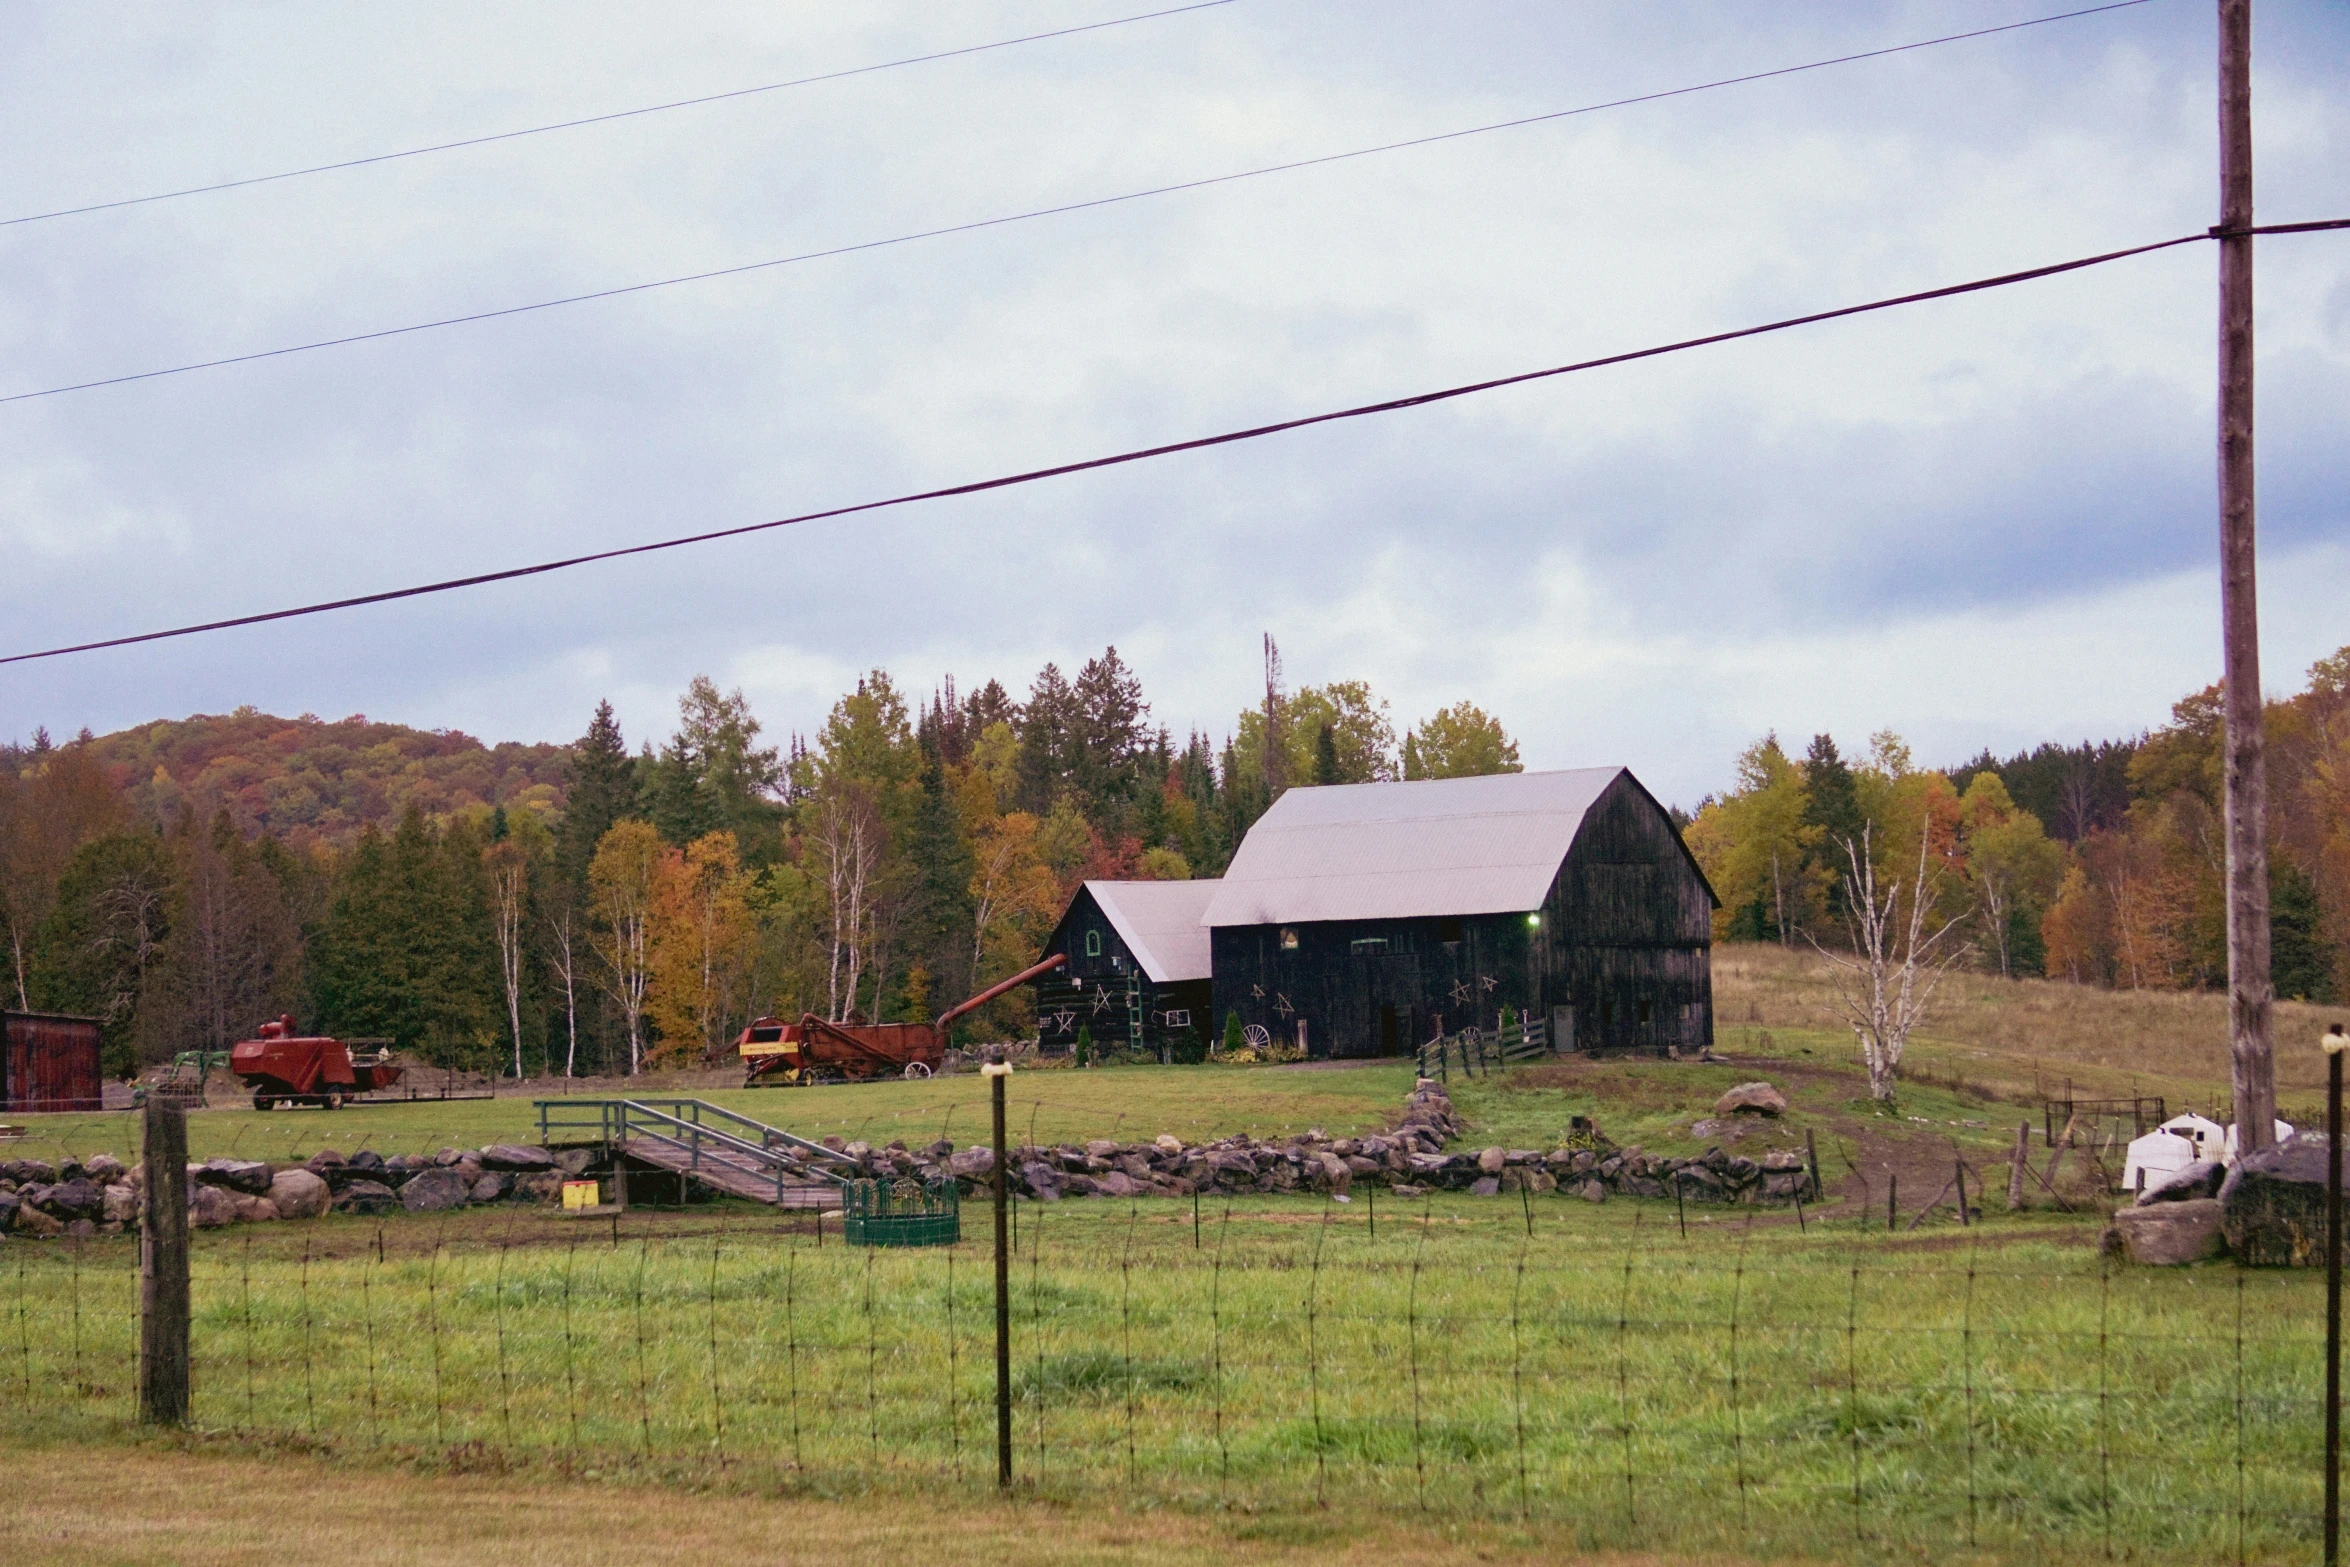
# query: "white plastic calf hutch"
{"type": "Point", "coordinates": [2179, 1142]}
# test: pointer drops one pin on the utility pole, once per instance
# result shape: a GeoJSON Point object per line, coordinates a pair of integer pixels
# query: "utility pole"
{"type": "Point", "coordinates": [2251, 1049]}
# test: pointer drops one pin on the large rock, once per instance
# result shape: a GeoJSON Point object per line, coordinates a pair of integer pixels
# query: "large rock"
{"type": "Point", "coordinates": [300, 1194]}
{"type": "Point", "coordinates": [250, 1176]}
{"type": "Point", "coordinates": [1752, 1099]}
{"type": "Point", "coordinates": [2167, 1234]}
{"type": "Point", "coordinates": [972, 1164]}
{"type": "Point", "coordinates": [75, 1199]}
{"type": "Point", "coordinates": [27, 1171]}
{"type": "Point", "coordinates": [492, 1186]}
{"type": "Point", "coordinates": [544, 1186]}
{"type": "Point", "coordinates": [366, 1197]}
{"type": "Point", "coordinates": [210, 1207]}
{"type": "Point", "coordinates": [514, 1157]}
{"type": "Point", "coordinates": [2275, 1205]}
{"type": "Point", "coordinates": [2200, 1179]}
{"type": "Point", "coordinates": [104, 1168]}
{"type": "Point", "coordinates": [436, 1190]}
{"type": "Point", "coordinates": [250, 1209]}
{"type": "Point", "coordinates": [30, 1220]}
{"type": "Point", "coordinates": [122, 1203]}
{"type": "Point", "coordinates": [1486, 1186]}
{"type": "Point", "coordinates": [1492, 1160]}
{"type": "Point", "coordinates": [573, 1162]}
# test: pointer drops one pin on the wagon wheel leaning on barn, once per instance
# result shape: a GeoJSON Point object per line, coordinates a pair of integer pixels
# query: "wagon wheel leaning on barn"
{"type": "Point", "coordinates": [1257, 1035]}
{"type": "Point", "coordinates": [916, 1071]}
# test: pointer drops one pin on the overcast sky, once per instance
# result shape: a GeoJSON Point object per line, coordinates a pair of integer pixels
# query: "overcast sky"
{"type": "Point", "coordinates": [1979, 522]}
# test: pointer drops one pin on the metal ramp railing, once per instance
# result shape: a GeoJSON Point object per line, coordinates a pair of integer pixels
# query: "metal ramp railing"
{"type": "Point", "coordinates": [694, 1137]}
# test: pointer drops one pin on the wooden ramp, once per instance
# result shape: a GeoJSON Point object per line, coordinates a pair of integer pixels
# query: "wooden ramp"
{"type": "Point", "coordinates": [725, 1170]}
{"type": "Point", "coordinates": [724, 1151]}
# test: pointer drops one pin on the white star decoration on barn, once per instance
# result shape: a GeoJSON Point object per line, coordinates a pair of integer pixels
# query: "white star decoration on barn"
{"type": "Point", "coordinates": [1101, 1002]}
{"type": "Point", "coordinates": [1282, 1006]}
{"type": "Point", "coordinates": [1460, 992]}
{"type": "Point", "coordinates": [1257, 991]}
{"type": "Point", "coordinates": [1063, 1021]}
{"type": "Point", "coordinates": [1486, 982]}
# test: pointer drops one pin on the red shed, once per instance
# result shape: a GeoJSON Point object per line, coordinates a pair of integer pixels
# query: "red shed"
{"type": "Point", "coordinates": [49, 1061]}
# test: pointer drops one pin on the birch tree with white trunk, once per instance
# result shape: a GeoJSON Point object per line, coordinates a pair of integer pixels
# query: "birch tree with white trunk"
{"type": "Point", "coordinates": [1900, 951]}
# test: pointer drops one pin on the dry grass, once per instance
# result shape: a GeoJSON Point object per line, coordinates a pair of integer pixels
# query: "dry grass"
{"type": "Point", "coordinates": [191, 1508]}
{"type": "Point", "coordinates": [2014, 1038]}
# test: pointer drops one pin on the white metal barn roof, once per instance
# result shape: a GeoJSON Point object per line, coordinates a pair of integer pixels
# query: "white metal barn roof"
{"type": "Point", "coordinates": [1160, 923]}
{"type": "Point", "coordinates": [1445, 846]}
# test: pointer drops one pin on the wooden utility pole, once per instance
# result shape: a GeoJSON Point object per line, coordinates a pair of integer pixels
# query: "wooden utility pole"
{"type": "Point", "coordinates": [997, 1071]}
{"type": "Point", "coordinates": [163, 1265]}
{"type": "Point", "coordinates": [2251, 1049]}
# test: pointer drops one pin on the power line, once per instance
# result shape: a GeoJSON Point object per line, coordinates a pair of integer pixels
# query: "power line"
{"type": "Point", "coordinates": [603, 119]}
{"type": "Point", "coordinates": [1141, 454]}
{"type": "Point", "coordinates": [1039, 212]}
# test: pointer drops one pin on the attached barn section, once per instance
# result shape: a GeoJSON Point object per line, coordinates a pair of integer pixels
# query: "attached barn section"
{"type": "Point", "coordinates": [1137, 975]}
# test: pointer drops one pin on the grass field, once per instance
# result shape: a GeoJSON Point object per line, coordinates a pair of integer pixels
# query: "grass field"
{"type": "Point", "coordinates": [1604, 1381]}
{"type": "Point", "coordinates": [1196, 1104]}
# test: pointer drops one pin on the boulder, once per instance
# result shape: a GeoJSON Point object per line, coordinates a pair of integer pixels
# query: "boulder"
{"type": "Point", "coordinates": [32, 1221]}
{"type": "Point", "coordinates": [249, 1176]}
{"type": "Point", "coordinates": [435, 1191]}
{"type": "Point", "coordinates": [491, 1187]}
{"type": "Point", "coordinates": [250, 1209]}
{"type": "Point", "coordinates": [1593, 1190]}
{"type": "Point", "coordinates": [2167, 1234]}
{"type": "Point", "coordinates": [1486, 1186]}
{"type": "Point", "coordinates": [540, 1186]}
{"type": "Point", "coordinates": [1167, 1144]}
{"type": "Point", "coordinates": [78, 1198]}
{"type": "Point", "coordinates": [448, 1156]}
{"type": "Point", "coordinates": [2200, 1179]}
{"type": "Point", "coordinates": [1493, 1160]}
{"type": "Point", "coordinates": [366, 1197]}
{"type": "Point", "coordinates": [80, 1229]}
{"type": "Point", "coordinates": [1041, 1180]}
{"type": "Point", "coordinates": [2275, 1205]}
{"type": "Point", "coordinates": [300, 1194]}
{"type": "Point", "coordinates": [27, 1171]}
{"type": "Point", "coordinates": [210, 1207]}
{"type": "Point", "coordinates": [1102, 1148]}
{"type": "Point", "coordinates": [122, 1203]}
{"type": "Point", "coordinates": [574, 1161]}
{"type": "Point", "coordinates": [972, 1164]}
{"type": "Point", "coordinates": [1751, 1099]}
{"type": "Point", "coordinates": [367, 1159]}
{"type": "Point", "coordinates": [514, 1157]}
{"type": "Point", "coordinates": [319, 1162]}
{"type": "Point", "coordinates": [9, 1203]}
{"type": "Point", "coordinates": [104, 1168]}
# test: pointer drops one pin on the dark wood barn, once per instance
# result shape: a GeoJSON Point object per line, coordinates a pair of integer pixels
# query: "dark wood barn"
{"type": "Point", "coordinates": [1137, 974]}
{"type": "Point", "coordinates": [1364, 919]}
{"type": "Point", "coordinates": [49, 1061]}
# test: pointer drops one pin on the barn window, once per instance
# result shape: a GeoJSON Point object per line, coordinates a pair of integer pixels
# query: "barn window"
{"type": "Point", "coordinates": [1367, 944]}
{"type": "Point", "coordinates": [1093, 943]}
{"type": "Point", "coordinates": [1448, 930]}
{"type": "Point", "coordinates": [1644, 1013]}
{"type": "Point", "coordinates": [1289, 938]}
{"type": "Point", "coordinates": [1179, 1018]}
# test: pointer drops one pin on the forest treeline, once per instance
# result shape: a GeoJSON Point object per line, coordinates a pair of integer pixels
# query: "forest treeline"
{"type": "Point", "coordinates": [2101, 864]}
{"type": "Point", "coordinates": [589, 909]}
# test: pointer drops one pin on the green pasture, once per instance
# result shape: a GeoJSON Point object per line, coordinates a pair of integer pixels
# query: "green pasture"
{"type": "Point", "coordinates": [1195, 1103]}
{"type": "Point", "coordinates": [1587, 1374]}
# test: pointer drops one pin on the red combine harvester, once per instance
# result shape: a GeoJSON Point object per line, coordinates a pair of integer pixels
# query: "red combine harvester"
{"type": "Point", "coordinates": [779, 1054]}
{"type": "Point", "coordinates": [282, 1067]}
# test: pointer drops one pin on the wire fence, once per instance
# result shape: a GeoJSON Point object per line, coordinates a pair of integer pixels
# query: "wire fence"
{"type": "Point", "coordinates": [1614, 1384]}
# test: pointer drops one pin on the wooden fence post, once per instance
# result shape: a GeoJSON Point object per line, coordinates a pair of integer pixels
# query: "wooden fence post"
{"type": "Point", "coordinates": [2015, 1168]}
{"type": "Point", "coordinates": [163, 1266]}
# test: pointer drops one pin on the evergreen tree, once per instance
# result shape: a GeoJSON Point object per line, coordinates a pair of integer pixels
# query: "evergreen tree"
{"type": "Point", "coordinates": [2299, 965]}
{"type": "Point", "coordinates": [1047, 727]}
{"type": "Point", "coordinates": [408, 954]}
{"type": "Point", "coordinates": [939, 916]}
{"type": "Point", "coordinates": [602, 790]}
{"type": "Point", "coordinates": [1833, 807]}
{"type": "Point", "coordinates": [1326, 755]}
{"type": "Point", "coordinates": [101, 950]}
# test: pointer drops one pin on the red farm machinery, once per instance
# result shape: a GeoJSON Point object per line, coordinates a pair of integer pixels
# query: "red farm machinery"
{"type": "Point", "coordinates": [283, 1067]}
{"type": "Point", "coordinates": [778, 1054]}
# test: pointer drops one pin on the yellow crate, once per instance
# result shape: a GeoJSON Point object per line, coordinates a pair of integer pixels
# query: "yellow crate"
{"type": "Point", "coordinates": [580, 1194]}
